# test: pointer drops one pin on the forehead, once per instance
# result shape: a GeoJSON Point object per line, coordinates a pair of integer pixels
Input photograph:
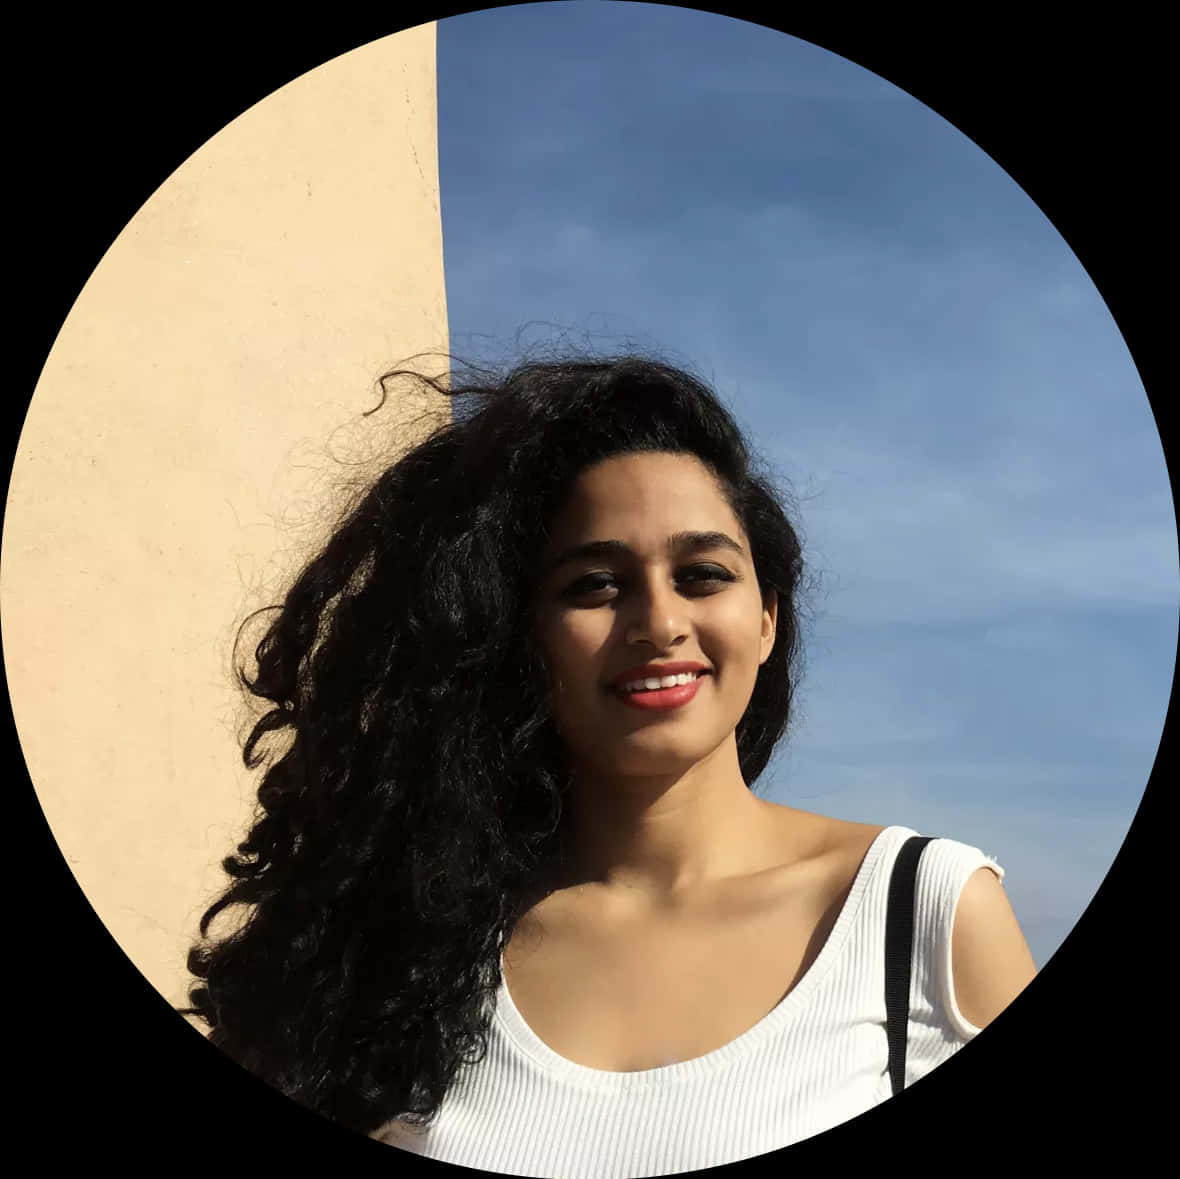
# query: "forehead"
{"type": "Point", "coordinates": [646, 494]}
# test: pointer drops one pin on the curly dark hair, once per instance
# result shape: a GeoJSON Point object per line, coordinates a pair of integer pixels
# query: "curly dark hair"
{"type": "Point", "coordinates": [418, 812]}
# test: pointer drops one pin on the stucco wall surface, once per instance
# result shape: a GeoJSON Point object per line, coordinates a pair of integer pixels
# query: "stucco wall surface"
{"type": "Point", "coordinates": [189, 431]}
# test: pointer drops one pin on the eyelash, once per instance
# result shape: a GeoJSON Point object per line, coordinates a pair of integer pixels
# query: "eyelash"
{"type": "Point", "coordinates": [715, 574]}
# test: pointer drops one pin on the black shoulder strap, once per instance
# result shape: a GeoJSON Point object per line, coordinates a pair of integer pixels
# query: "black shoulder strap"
{"type": "Point", "coordinates": [899, 947]}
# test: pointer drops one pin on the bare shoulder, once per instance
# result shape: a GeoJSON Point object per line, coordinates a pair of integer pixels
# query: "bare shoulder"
{"type": "Point", "coordinates": [849, 844]}
{"type": "Point", "coordinates": [854, 838]}
{"type": "Point", "coordinates": [821, 857]}
{"type": "Point", "coordinates": [823, 836]}
{"type": "Point", "coordinates": [991, 962]}
{"type": "Point", "coordinates": [990, 959]}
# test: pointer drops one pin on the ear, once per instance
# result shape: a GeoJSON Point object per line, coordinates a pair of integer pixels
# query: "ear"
{"type": "Point", "coordinates": [769, 625]}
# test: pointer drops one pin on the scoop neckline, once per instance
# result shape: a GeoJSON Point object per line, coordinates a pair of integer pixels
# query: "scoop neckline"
{"type": "Point", "coordinates": [527, 1041]}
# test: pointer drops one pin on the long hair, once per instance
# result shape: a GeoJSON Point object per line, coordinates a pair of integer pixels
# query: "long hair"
{"type": "Point", "coordinates": [420, 806]}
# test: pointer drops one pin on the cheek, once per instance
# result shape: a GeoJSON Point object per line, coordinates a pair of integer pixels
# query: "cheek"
{"type": "Point", "coordinates": [569, 642]}
{"type": "Point", "coordinates": [736, 631]}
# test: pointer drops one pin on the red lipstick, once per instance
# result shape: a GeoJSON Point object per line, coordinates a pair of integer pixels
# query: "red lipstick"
{"type": "Point", "coordinates": [659, 699]}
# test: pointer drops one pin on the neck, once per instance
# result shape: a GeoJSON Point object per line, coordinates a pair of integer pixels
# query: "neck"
{"type": "Point", "coordinates": [656, 840]}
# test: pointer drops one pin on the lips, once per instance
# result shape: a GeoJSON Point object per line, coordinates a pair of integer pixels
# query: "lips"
{"type": "Point", "coordinates": [662, 699]}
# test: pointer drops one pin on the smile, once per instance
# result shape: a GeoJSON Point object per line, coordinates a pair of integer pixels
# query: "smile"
{"type": "Point", "coordinates": [676, 695]}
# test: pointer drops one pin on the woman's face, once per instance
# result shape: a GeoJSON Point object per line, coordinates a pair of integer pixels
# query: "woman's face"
{"type": "Point", "coordinates": [651, 593]}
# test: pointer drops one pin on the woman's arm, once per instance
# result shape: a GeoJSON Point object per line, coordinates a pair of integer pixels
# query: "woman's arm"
{"type": "Point", "coordinates": [990, 960]}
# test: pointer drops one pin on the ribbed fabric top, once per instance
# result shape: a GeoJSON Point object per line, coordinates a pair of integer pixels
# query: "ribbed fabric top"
{"type": "Point", "coordinates": [817, 1060]}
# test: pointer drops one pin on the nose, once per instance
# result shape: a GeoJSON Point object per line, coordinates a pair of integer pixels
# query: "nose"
{"type": "Point", "coordinates": [655, 615]}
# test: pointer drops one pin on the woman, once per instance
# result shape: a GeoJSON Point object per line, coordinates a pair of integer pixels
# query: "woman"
{"type": "Point", "coordinates": [514, 904]}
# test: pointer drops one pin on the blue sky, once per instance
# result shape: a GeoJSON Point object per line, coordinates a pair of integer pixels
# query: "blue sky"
{"type": "Point", "coordinates": [977, 476]}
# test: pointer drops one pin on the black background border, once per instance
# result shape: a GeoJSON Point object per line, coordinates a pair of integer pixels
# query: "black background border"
{"type": "Point", "coordinates": [102, 108]}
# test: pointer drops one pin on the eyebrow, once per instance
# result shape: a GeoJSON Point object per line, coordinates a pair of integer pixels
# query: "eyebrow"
{"type": "Point", "coordinates": [678, 542]}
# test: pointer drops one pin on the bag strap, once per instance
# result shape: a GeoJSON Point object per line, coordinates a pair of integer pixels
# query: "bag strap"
{"type": "Point", "coordinates": [899, 947]}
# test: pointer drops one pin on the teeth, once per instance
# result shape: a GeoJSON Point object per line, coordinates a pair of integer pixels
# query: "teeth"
{"type": "Point", "coordinates": [668, 681]}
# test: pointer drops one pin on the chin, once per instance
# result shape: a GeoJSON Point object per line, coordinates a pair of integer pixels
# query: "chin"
{"type": "Point", "coordinates": [653, 760]}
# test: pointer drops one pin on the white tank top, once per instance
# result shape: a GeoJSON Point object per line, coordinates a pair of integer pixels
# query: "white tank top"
{"type": "Point", "coordinates": [817, 1060]}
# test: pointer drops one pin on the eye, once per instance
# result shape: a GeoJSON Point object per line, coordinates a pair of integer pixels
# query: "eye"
{"type": "Point", "coordinates": [589, 584]}
{"type": "Point", "coordinates": [707, 577]}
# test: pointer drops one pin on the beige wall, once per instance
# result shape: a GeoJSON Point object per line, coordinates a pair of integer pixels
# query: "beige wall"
{"type": "Point", "coordinates": [177, 457]}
